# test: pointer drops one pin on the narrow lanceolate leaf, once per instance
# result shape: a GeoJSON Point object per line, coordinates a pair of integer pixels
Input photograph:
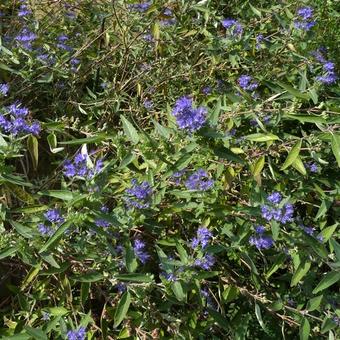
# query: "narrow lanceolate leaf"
{"type": "Point", "coordinates": [304, 329]}
{"type": "Point", "coordinates": [314, 303]}
{"type": "Point", "coordinates": [259, 316]}
{"type": "Point", "coordinates": [122, 309]}
{"type": "Point", "coordinates": [258, 166]}
{"type": "Point", "coordinates": [298, 165]}
{"type": "Point", "coordinates": [328, 280]}
{"type": "Point", "coordinates": [7, 252]}
{"type": "Point", "coordinates": [32, 146]}
{"type": "Point", "coordinates": [336, 148]}
{"type": "Point", "coordinates": [129, 130]}
{"type": "Point", "coordinates": [293, 154]}
{"type": "Point", "coordinates": [300, 272]}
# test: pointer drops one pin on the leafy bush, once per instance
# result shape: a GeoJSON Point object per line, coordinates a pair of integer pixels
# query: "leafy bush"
{"type": "Point", "coordinates": [169, 170]}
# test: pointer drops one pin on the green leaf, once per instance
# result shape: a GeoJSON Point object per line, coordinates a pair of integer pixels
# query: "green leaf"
{"type": "Point", "coordinates": [304, 329]}
{"type": "Point", "coordinates": [300, 272]}
{"type": "Point", "coordinates": [178, 290]}
{"type": "Point", "coordinates": [298, 165]}
{"type": "Point", "coordinates": [130, 259]}
{"type": "Point", "coordinates": [306, 119]}
{"type": "Point", "coordinates": [328, 232]}
{"type": "Point", "coordinates": [84, 292]}
{"type": "Point", "coordinates": [258, 166]}
{"type": "Point", "coordinates": [88, 277]}
{"type": "Point", "coordinates": [53, 240]}
{"type": "Point", "coordinates": [22, 230]}
{"type": "Point", "coordinates": [32, 146]}
{"type": "Point", "coordinates": [7, 252]}
{"type": "Point", "coordinates": [49, 259]}
{"type": "Point", "coordinates": [219, 319]}
{"type": "Point", "coordinates": [329, 279]}
{"type": "Point", "coordinates": [293, 91]}
{"type": "Point", "coordinates": [262, 137]}
{"type": "Point", "coordinates": [95, 139]}
{"type": "Point", "coordinates": [314, 303]}
{"type": "Point", "coordinates": [52, 142]}
{"type": "Point", "coordinates": [57, 311]}
{"type": "Point", "coordinates": [336, 148]}
{"type": "Point", "coordinates": [146, 278]}
{"type": "Point", "coordinates": [280, 259]}
{"type": "Point", "coordinates": [122, 309]}
{"type": "Point", "coordinates": [259, 316]}
{"type": "Point", "coordinates": [64, 195]}
{"type": "Point", "coordinates": [163, 131]}
{"type": "Point", "coordinates": [129, 130]}
{"type": "Point", "coordinates": [36, 333]}
{"type": "Point", "coordinates": [292, 155]}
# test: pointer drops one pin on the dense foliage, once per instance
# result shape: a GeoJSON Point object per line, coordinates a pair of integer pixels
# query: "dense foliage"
{"type": "Point", "coordinates": [169, 169]}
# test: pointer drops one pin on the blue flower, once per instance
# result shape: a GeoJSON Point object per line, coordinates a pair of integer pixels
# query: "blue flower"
{"type": "Point", "coordinates": [102, 223]}
{"type": "Point", "coordinates": [206, 262]}
{"type": "Point", "coordinates": [79, 334]}
{"type": "Point", "coordinates": [25, 38]}
{"type": "Point", "coordinates": [203, 237]}
{"type": "Point", "coordinates": [24, 11]}
{"type": "Point", "coordinates": [311, 166]}
{"type": "Point", "coordinates": [188, 117]}
{"type": "Point", "coordinates": [305, 12]}
{"type": "Point", "coordinates": [139, 195]}
{"type": "Point", "coordinates": [199, 180]}
{"type": "Point", "coordinates": [260, 229]}
{"type": "Point", "coordinates": [4, 89]}
{"type": "Point", "coordinates": [148, 104]}
{"type": "Point", "coordinates": [274, 198]}
{"type": "Point", "coordinates": [81, 168]}
{"type": "Point", "coordinates": [53, 216]}
{"type": "Point", "coordinates": [234, 26]}
{"type": "Point", "coordinates": [142, 7]}
{"type": "Point", "coordinates": [246, 83]}
{"type": "Point", "coordinates": [139, 250]}
{"type": "Point", "coordinates": [45, 230]}
{"type": "Point", "coordinates": [305, 23]}
{"type": "Point", "coordinates": [261, 242]}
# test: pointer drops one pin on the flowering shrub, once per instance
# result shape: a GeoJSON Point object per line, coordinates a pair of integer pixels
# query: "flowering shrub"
{"type": "Point", "coordinates": [169, 170]}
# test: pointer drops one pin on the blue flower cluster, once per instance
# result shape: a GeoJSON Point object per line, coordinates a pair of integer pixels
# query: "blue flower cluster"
{"type": "Point", "coordinates": [261, 241]}
{"type": "Point", "coordinates": [206, 262]}
{"type": "Point", "coordinates": [78, 334]}
{"type": "Point", "coordinates": [16, 122]}
{"type": "Point", "coordinates": [234, 27]}
{"type": "Point", "coordinates": [169, 21]}
{"type": "Point", "coordinates": [282, 214]}
{"type": "Point", "coordinates": [24, 10]}
{"type": "Point", "coordinates": [329, 75]}
{"type": "Point", "coordinates": [25, 38]}
{"type": "Point", "coordinates": [142, 7]}
{"type": "Point", "coordinates": [188, 117]}
{"type": "Point", "coordinates": [81, 167]}
{"type": "Point", "coordinates": [203, 236]}
{"type": "Point", "coordinates": [246, 83]}
{"type": "Point", "coordinates": [202, 239]}
{"type": "Point", "coordinates": [199, 180]}
{"type": "Point", "coordinates": [139, 250]}
{"type": "Point", "coordinates": [139, 195]}
{"type": "Point", "coordinates": [305, 21]}
{"type": "Point", "coordinates": [54, 217]}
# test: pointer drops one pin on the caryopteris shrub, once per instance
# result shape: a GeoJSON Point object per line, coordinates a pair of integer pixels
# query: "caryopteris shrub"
{"type": "Point", "coordinates": [169, 169]}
